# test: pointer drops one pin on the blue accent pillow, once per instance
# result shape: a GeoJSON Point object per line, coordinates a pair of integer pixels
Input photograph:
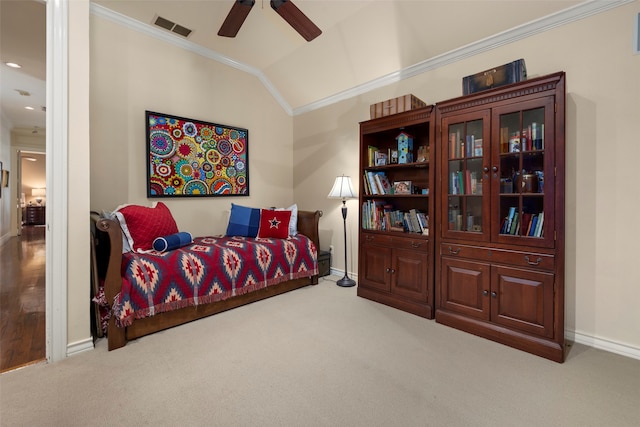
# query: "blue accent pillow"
{"type": "Point", "coordinates": [172, 241]}
{"type": "Point", "coordinates": [243, 221]}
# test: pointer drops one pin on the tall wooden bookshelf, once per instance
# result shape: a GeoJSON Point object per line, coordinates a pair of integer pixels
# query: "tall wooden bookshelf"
{"type": "Point", "coordinates": [397, 207]}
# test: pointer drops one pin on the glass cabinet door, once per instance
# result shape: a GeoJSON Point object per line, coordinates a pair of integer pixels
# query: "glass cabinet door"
{"type": "Point", "coordinates": [522, 174]}
{"type": "Point", "coordinates": [464, 202]}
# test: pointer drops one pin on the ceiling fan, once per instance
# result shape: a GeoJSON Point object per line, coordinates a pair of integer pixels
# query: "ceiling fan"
{"type": "Point", "coordinates": [285, 8]}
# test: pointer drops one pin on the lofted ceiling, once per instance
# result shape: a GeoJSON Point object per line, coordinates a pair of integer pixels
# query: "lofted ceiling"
{"type": "Point", "coordinates": [361, 40]}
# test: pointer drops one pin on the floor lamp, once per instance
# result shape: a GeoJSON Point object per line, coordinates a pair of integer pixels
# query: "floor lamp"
{"type": "Point", "coordinates": [343, 189]}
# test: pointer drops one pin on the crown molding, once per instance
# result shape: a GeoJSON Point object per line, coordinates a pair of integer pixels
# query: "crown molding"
{"type": "Point", "coordinates": [575, 13]}
{"type": "Point", "coordinates": [182, 43]}
{"type": "Point", "coordinates": [572, 14]}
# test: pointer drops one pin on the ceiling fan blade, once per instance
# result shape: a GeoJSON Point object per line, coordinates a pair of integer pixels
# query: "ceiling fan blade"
{"type": "Point", "coordinates": [235, 18]}
{"type": "Point", "coordinates": [296, 19]}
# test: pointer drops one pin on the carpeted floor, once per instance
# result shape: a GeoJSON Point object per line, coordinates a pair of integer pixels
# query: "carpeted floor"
{"type": "Point", "coordinates": [321, 356]}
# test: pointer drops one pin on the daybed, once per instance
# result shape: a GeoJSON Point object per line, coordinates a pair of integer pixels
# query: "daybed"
{"type": "Point", "coordinates": [126, 323]}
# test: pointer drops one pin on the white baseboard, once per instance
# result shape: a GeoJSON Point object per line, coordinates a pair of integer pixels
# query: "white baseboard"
{"type": "Point", "coordinates": [79, 347]}
{"type": "Point", "coordinates": [603, 344]}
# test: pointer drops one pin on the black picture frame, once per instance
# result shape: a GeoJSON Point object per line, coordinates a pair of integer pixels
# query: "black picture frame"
{"type": "Point", "coordinates": [194, 158]}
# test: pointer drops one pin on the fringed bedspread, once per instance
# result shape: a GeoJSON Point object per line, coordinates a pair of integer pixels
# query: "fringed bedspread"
{"type": "Point", "coordinates": [210, 269]}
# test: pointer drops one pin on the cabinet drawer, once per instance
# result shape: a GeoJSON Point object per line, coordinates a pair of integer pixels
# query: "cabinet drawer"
{"type": "Point", "coordinates": [417, 243]}
{"type": "Point", "coordinates": [503, 256]}
{"type": "Point", "coordinates": [377, 239]}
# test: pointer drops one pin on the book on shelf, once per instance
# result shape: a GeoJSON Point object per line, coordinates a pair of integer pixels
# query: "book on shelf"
{"type": "Point", "coordinates": [372, 183]}
{"type": "Point", "coordinates": [467, 181]}
{"type": "Point", "coordinates": [532, 228]}
{"type": "Point", "coordinates": [469, 145]}
{"type": "Point", "coordinates": [415, 222]}
{"type": "Point", "coordinates": [514, 224]}
{"type": "Point", "coordinates": [456, 146]}
{"type": "Point", "coordinates": [419, 221]}
{"type": "Point", "coordinates": [377, 183]}
{"type": "Point", "coordinates": [477, 147]}
{"type": "Point", "coordinates": [510, 216]}
{"type": "Point", "coordinates": [424, 222]}
{"type": "Point", "coordinates": [365, 184]}
{"type": "Point", "coordinates": [525, 223]}
{"type": "Point", "coordinates": [540, 224]}
{"type": "Point", "coordinates": [371, 151]}
{"type": "Point", "coordinates": [385, 184]}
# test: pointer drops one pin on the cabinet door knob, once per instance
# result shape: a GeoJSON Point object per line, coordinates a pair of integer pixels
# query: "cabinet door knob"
{"type": "Point", "coordinates": [485, 292]}
{"type": "Point", "coordinates": [494, 294]}
{"type": "Point", "coordinates": [388, 270]}
{"type": "Point", "coordinates": [536, 262]}
{"type": "Point", "coordinates": [485, 169]}
{"type": "Point", "coordinates": [416, 244]}
{"type": "Point", "coordinates": [454, 252]}
{"type": "Point", "coordinates": [495, 169]}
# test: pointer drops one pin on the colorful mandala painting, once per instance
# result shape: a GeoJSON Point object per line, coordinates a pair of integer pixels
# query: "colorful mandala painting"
{"type": "Point", "coordinates": [193, 158]}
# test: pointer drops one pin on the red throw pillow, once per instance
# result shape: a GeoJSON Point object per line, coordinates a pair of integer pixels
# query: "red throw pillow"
{"type": "Point", "coordinates": [274, 224]}
{"type": "Point", "coordinates": [144, 224]}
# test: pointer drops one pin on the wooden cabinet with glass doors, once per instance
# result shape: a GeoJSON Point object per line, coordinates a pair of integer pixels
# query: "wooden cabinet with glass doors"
{"type": "Point", "coordinates": [500, 263]}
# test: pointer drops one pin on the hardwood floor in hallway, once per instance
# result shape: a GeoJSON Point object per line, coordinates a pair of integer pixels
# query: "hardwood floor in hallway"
{"type": "Point", "coordinates": [22, 299]}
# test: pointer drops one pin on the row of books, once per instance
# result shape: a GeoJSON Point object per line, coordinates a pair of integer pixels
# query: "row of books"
{"type": "Point", "coordinates": [378, 215]}
{"type": "Point", "coordinates": [465, 182]}
{"type": "Point", "coordinates": [470, 147]}
{"type": "Point", "coordinates": [376, 183]}
{"type": "Point", "coordinates": [526, 224]}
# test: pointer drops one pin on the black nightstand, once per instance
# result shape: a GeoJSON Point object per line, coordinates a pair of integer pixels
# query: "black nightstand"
{"type": "Point", "coordinates": [324, 263]}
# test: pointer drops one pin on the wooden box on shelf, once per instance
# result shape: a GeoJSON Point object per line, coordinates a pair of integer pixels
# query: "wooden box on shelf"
{"type": "Point", "coordinates": [512, 72]}
{"type": "Point", "coordinates": [395, 106]}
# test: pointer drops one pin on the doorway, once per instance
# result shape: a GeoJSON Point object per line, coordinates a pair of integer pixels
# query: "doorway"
{"type": "Point", "coordinates": [23, 256]}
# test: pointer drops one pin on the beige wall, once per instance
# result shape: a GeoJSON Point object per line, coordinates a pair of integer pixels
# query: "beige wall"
{"type": "Point", "coordinates": [132, 72]}
{"type": "Point", "coordinates": [603, 106]}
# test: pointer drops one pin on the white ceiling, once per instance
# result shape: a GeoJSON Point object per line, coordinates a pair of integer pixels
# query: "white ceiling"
{"type": "Point", "coordinates": [362, 40]}
{"type": "Point", "coordinates": [23, 41]}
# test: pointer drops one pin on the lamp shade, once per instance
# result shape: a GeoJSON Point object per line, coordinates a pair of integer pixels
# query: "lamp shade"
{"type": "Point", "coordinates": [38, 192]}
{"type": "Point", "coordinates": [343, 189]}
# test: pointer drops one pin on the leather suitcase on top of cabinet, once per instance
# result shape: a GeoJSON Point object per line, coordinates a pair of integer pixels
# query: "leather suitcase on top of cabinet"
{"type": "Point", "coordinates": [512, 72]}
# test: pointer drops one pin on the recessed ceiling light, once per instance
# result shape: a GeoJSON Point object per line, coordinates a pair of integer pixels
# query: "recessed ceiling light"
{"type": "Point", "coordinates": [28, 108]}
{"type": "Point", "coordinates": [13, 65]}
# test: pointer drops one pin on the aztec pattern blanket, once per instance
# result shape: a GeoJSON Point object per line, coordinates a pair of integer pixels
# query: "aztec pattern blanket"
{"type": "Point", "coordinates": [210, 269]}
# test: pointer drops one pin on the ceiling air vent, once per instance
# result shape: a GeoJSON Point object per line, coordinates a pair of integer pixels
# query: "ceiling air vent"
{"type": "Point", "coordinates": [172, 26]}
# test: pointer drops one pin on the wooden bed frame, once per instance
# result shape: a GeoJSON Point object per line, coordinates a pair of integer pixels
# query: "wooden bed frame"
{"type": "Point", "coordinates": [109, 245]}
